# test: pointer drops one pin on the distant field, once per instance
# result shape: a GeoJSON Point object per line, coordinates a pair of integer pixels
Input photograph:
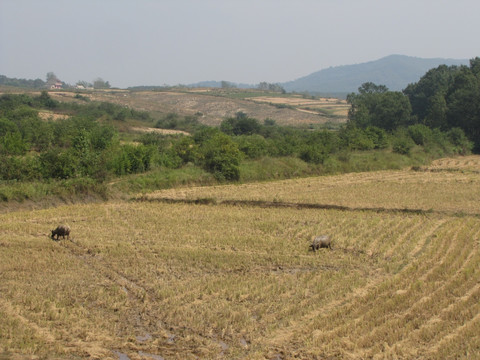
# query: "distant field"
{"type": "Point", "coordinates": [323, 106]}
{"type": "Point", "coordinates": [152, 279]}
{"type": "Point", "coordinates": [213, 106]}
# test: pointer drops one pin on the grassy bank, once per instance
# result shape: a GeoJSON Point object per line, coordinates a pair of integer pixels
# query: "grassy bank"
{"type": "Point", "coordinates": [265, 169]}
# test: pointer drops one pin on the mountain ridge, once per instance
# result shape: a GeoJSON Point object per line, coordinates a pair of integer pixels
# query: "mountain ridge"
{"type": "Point", "coordinates": [394, 71]}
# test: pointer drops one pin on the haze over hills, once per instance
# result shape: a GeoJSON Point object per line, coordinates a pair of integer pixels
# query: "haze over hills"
{"type": "Point", "coordinates": [394, 71]}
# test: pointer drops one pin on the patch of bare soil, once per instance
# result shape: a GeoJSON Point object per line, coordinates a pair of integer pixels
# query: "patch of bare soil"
{"type": "Point", "coordinates": [159, 131]}
{"type": "Point", "coordinates": [45, 115]}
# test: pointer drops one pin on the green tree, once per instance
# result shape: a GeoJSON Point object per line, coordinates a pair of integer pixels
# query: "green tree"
{"type": "Point", "coordinates": [420, 134]}
{"type": "Point", "coordinates": [253, 146]}
{"type": "Point", "coordinates": [7, 126]}
{"type": "Point", "coordinates": [227, 85]}
{"type": "Point", "coordinates": [12, 144]}
{"type": "Point", "coordinates": [460, 142]}
{"type": "Point", "coordinates": [99, 83]}
{"type": "Point", "coordinates": [371, 88]}
{"type": "Point", "coordinates": [376, 106]}
{"type": "Point", "coordinates": [436, 116]}
{"type": "Point", "coordinates": [186, 149]}
{"type": "Point", "coordinates": [428, 94]}
{"type": "Point", "coordinates": [392, 110]}
{"type": "Point", "coordinates": [82, 151]}
{"type": "Point", "coordinates": [241, 124]}
{"type": "Point", "coordinates": [463, 103]}
{"type": "Point", "coordinates": [46, 100]}
{"type": "Point", "coordinates": [57, 163]}
{"type": "Point", "coordinates": [221, 157]}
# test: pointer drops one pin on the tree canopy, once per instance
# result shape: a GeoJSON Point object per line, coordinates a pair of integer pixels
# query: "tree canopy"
{"type": "Point", "coordinates": [444, 98]}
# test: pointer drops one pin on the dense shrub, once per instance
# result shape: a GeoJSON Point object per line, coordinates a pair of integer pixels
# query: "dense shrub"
{"type": "Point", "coordinates": [175, 121]}
{"type": "Point", "coordinates": [420, 134]}
{"type": "Point", "coordinates": [460, 142]}
{"type": "Point", "coordinates": [58, 164]}
{"type": "Point", "coordinates": [241, 124]}
{"type": "Point", "coordinates": [402, 143]}
{"type": "Point", "coordinates": [355, 138]}
{"type": "Point", "coordinates": [132, 159]}
{"type": "Point", "coordinates": [220, 156]}
{"type": "Point", "coordinates": [315, 154]}
{"type": "Point", "coordinates": [253, 146]}
{"type": "Point", "coordinates": [22, 168]}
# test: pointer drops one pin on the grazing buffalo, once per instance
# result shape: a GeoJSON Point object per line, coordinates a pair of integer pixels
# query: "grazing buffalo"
{"type": "Point", "coordinates": [319, 242]}
{"type": "Point", "coordinates": [61, 230]}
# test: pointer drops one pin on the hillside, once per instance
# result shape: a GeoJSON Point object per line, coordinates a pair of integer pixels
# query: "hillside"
{"type": "Point", "coordinates": [214, 105]}
{"type": "Point", "coordinates": [394, 71]}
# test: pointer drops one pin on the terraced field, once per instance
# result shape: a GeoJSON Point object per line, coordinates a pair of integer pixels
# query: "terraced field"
{"type": "Point", "coordinates": [212, 279]}
{"type": "Point", "coordinates": [213, 106]}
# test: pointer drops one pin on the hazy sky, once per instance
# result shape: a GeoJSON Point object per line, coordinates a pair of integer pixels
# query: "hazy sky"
{"type": "Point", "coordinates": [157, 42]}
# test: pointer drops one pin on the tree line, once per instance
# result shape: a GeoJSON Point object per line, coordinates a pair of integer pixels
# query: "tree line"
{"type": "Point", "coordinates": [446, 98]}
{"type": "Point", "coordinates": [52, 79]}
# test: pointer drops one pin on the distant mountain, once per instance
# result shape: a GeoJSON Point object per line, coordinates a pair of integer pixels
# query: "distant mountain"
{"type": "Point", "coordinates": [394, 71]}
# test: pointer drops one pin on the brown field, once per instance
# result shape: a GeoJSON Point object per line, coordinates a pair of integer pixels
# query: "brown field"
{"type": "Point", "coordinates": [159, 280]}
{"type": "Point", "coordinates": [336, 107]}
{"type": "Point", "coordinates": [213, 106]}
{"type": "Point", "coordinates": [213, 109]}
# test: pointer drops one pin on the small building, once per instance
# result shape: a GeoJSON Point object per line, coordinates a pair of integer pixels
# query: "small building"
{"type": "Point", "coordinates": [57, 85]}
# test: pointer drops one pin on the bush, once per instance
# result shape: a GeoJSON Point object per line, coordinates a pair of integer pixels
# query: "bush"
{"type": "Point", "coordinates": [240, 125]}
{"type": "Point", "coordinates": [315, 154]}
{"type": "Point", "coordinates": [186, 149]}
{"type": "Point", "coordinates": [131, 159]}
{"type": "Point", "coordinates": [402, 143]}
{"type": "Point", "coordinates": [23, 168]}
{"type": "Point", "coordinates": [420, 134]}
{"type": "Point", "coordinates": [356, 139]}
{"type": "Point", "coordinates": [13, 144]}
{"type": "Point", "coordinates": [460, 142]}
{"type": "Point", "coordinates": [378, 136]}
{"type": "Point", "coordinates": [220, 156]}
{"type": "Point", "coordinates": [58, 164]}
{"type": "Point", "coordinates": [253, 146]}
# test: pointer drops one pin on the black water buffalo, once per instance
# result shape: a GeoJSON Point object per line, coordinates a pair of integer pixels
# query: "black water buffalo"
{"type": "Point", "coordinates": [61, 230]}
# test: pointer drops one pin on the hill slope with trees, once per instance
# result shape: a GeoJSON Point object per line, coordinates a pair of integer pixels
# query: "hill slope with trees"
{"type": "Point", "coordinates": [394, 71]}
{"type": "Point", "coordinates": [444, 99]}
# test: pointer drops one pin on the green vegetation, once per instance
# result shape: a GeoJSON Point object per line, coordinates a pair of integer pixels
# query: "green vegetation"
{"type": "Point", "coordinates": [91, 146]}
{"type": "Point", "coordinates": [442, 107]}
{"type": "Point", "coordinates": [88, 149]}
